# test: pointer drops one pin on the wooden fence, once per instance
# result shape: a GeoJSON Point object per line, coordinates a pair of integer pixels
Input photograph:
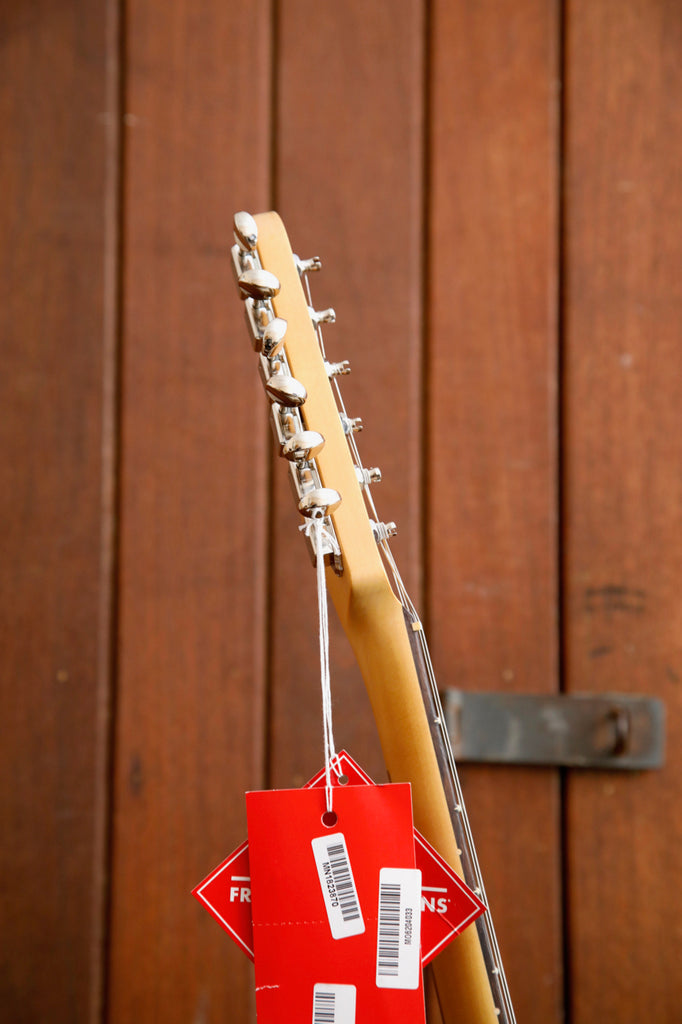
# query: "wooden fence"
{"type": "Point", "coordinates": [495, 191]}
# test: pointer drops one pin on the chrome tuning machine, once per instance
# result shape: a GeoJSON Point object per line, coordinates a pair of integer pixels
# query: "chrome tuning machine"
{"type": "Point", "coordinates": [285, 390]}
{"type": "Point", "coordinates": [351, 425]}
{"type": "Point", "coordinates": [321, 500]}
{"type": "Point", "coordinates": [258, 287]}
{"type": "Point", "coordinates": [245, 231]}
{"type": "Point", "coordinates": [383, 531]}
{"type": "Point", "coordinates": [337, 369]}
{"type": "Point", "coordinates": [368, 476]}
{"type": "Point", "coordinates": [322, 316]}
{"type": "Point", "coordinates": [271, 340]}
{"type": "Point", "coordinates": [308, 266]}
{"type": "Point", "coordinates": [303, 446]}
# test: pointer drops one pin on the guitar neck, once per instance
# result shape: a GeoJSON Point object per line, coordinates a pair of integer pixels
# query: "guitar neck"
{"type": "Point", "coordinates": [391, 651]}
{"type": "Point", "coordinates": [385, 633]}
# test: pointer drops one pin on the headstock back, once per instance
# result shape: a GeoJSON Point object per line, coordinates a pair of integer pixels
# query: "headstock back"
{"type": "Point", "coordinates": [311, 426]}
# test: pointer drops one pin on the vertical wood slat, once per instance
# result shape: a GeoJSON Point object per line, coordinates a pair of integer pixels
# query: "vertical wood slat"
{"type": "Point", "coordinates": [190, 727]}
{"type": "Point", "coordinates": [57, 278]}
{"type": "Point", "coordinates": [623, 492]}
{"type": "Point", "coordinates": [492, 563]}
{"type": "Point", "coordinates": [348, 185]}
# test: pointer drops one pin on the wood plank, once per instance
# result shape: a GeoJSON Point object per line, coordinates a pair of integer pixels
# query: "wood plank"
{"type": "Point", "coordinates": [623, 490]}
{"type": "Point", "coordinates": [58, 180]}
{"type": "Point", "coordinates": [190, 728]}
{"type": "Point", "coordinates": [492, 560]}
{"type": "Point", "coordinates": [350, 95]}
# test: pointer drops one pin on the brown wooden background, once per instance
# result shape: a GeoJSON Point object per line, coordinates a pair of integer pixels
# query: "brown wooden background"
{"type": "Point", "coordinates": [495, 190]}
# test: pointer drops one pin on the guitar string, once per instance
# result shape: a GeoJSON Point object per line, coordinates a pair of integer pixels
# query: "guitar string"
{"type": "Point", "coordinates": [497, 970]}
{"type": "Point", "coordinates": [315, 529]}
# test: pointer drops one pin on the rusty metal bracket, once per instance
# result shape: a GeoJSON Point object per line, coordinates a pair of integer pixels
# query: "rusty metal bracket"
{"type": "Point", "coordinates": [611, 730]}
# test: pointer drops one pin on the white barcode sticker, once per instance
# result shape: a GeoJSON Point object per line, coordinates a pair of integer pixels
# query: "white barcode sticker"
{"type": "Point", "coordinates": [398, 932]}
{"type": "Point", "coordinates": [338, 886]}
{"type": "Point", "coordinates": [334, 1004]}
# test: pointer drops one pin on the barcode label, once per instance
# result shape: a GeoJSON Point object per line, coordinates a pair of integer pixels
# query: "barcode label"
{"type": "Point", "coordinates": [334, 1004]}
{"type": "Point", "coordinates": [398, 932]}
{"type": "Point", "coordinates": [338, 886]}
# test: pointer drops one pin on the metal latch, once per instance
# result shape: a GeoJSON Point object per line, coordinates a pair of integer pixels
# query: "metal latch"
{"type": "Point", "coordinates": [611, 730]}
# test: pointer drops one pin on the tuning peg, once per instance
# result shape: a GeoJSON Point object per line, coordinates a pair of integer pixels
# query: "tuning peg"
{"type": "Point", "coordinates": [383, 531]}
{"type": "Point", "coordinates": [368, 476]}
{"type": "Point", "coordinates": [320, 499]}
{"type": "Point", "coordinates": [322, 316]}
{"type": "Point", "coordinates": [259, 285]}
{"type": "Point", "coordinates": [272, 337]}
{"type": "Point", "coordinates": [351, 425]}
{"type": "Point", "coordinates": [286, 390]}
{"type": "Point", "coordinates": [337, 369]}
{"type": "Point", "coordinates": [303, 447]}
{"type": "Point", "coordinates": [245, 231]}
{"type": "Point", "coordinates": [305, 266]}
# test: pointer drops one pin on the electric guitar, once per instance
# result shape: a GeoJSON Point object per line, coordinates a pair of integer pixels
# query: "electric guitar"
{"type": "Point", "coordinates": [316, 438]}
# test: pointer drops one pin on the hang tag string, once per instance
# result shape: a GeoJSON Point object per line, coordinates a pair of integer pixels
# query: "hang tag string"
{"type": "Point", "coordinates": [316, 529]}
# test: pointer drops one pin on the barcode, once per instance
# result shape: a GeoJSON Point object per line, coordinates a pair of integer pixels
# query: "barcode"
{"type": "Point", "coordinates": [339, 892]}
{"type": "Point", "coordinates": [345, 890]}
{"type": "Point", "coordinates": [333, 1004]}
{"type": "Point", "coordinates": [388, 948]}
{"type": "Point", "coordinates": [398, 928]}
{"type": "Point", "coordinates": [324, 1008]}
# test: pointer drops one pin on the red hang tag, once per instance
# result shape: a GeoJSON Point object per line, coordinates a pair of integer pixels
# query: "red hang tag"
{"type": "Point", "coordinates": [226, 894]}
{"type": "Point", "coordinates": [448, 905]}
{"type": "Point", "coordinates": [310, 883]}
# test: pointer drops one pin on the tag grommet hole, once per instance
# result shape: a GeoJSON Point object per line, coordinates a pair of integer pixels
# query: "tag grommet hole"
{"type": "Point", "coordinates": [329, 819]}
{"type": "Point", "coordinates": [343, 780]}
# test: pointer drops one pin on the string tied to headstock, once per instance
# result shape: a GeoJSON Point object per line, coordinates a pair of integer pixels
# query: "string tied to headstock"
{"type": "Point", "coordinates": [315, 527]}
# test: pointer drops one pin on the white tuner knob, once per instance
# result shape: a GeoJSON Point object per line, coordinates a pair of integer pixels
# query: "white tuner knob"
{"type": "Point", "coordinates": [320, 499]}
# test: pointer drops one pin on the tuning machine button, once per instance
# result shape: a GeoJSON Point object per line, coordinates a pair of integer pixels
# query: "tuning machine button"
{"type": "Point", "coordinates": [303, 447]}
{"type": "Point", "coordinates": [259, 285]}
{"type": "Point", "coordinates": [285, 390]}
{"type": "Point", "coordinates": [351, 425]}
{"type": "Point", "coordinates": [368, 476]}
{"type": "Point", "coordinates": [306, 266]}
{"type": "Point", "coordinates": [272, 336]}
{"type": "Point", "coordinates": [320, 500]}
{"type": "Point", "coordinates": [245, 231]}
{"type": "Point", "coordinates": [322, 316]}
{"type": "Point", "coordinates": [337, 369]}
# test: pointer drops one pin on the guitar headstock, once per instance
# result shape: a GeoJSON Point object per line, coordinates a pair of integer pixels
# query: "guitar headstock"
{"type": "Point", "coordinates": [314, 433]}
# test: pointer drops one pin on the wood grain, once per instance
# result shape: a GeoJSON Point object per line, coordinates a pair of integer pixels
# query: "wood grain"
{"type": "Point", "coordinates": [492, 489]}
{"type": "Point", "coordinates": [190, 731]}
{"type": "Point", "coordinates": [623, 491]}
{"type": "Point", "coordinates": [350, 95]}
{"type": "Point", "coordinates": [58, 181]}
